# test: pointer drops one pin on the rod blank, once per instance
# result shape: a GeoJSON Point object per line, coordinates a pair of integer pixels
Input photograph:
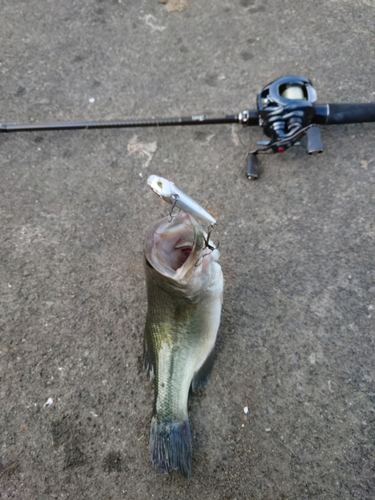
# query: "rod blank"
{"type": "Point", "coordinates": [151, 122]}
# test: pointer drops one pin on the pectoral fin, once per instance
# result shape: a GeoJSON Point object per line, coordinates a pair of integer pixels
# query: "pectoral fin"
{"type": "Point", "coordinates": [201, 377]}
{"type": "Point", "coordinates": [149, 358]}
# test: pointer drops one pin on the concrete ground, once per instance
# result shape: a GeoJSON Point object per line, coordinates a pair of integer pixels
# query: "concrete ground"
{"type": "Point", "coordinates": [296, 343]}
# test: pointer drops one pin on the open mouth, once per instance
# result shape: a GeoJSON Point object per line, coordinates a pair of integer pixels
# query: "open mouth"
{"type": "Point", "coordinates": [171, 245]}
{"type": "Point", "coordinates": [181, 252]}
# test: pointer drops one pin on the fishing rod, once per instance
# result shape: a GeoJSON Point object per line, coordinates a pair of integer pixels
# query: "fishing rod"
{"type": "Point", "coordinates": [286, 110]}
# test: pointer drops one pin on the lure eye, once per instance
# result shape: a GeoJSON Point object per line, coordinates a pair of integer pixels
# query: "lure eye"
{"type": "Point", "coordinates": [160, 184]}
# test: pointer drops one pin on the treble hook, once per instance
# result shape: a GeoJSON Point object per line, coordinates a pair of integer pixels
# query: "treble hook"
{"type": "Point", "coordinates": [206, 240]}
{"type": "Point", "coordinates": [174, 204]}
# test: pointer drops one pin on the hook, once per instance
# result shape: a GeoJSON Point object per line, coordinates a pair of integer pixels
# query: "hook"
{"type": "Point", "coordinates": [174, 203]}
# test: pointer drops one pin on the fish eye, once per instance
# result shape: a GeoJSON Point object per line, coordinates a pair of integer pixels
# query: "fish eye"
{"type": "Point", "coordinates": [160, 184]}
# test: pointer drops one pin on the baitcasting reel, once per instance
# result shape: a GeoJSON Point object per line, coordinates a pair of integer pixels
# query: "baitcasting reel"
{"type": "Point", "coordinates": [285, 112]}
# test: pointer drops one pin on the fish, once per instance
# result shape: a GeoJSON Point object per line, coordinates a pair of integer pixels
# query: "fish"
{"type": "Point", "coordinates": [184, 284]}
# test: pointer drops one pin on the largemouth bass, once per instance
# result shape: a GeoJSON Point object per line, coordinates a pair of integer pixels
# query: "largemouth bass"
{"type": "Point", "coordinates": [184, 294]}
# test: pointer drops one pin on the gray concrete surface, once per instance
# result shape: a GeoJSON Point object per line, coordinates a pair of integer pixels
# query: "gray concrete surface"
{"type": "Point", "coordinates": [297, 337]}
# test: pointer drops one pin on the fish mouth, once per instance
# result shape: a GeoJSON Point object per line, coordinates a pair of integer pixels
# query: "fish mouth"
{"type": "Point", "coordinates": [173, 247]}
{"type": "Point", "coordinates": [181, 252]}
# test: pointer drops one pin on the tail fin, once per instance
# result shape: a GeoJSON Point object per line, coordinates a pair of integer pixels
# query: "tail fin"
{"type": "Point", "coordinates": [170, 446]}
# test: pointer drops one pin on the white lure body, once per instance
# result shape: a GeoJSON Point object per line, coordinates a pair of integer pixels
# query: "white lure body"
{"type": "Point", "coordinates": [171, 193]}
